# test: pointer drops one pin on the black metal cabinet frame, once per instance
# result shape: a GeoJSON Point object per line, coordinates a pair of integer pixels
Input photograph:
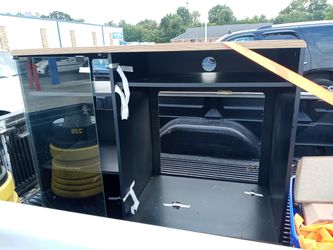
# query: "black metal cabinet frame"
{"type": "Point", "coordinates": [138, 137]}
{"type": "Point", "coordinates": [138, 140]}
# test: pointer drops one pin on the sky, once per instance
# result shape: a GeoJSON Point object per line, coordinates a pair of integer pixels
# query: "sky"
{"type": "Point", "coordinates": [133, 11]}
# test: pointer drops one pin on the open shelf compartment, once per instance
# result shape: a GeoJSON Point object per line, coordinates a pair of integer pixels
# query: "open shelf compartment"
{"type": "Point", "coordinates": [216, 207]}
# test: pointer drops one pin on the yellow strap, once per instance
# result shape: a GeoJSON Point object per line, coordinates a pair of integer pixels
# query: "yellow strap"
{"type": "Point", "coordinates": [284, 72]}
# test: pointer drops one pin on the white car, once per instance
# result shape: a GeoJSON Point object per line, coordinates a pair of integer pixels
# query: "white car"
{"type": "Point", "coordinates": [63, 64]}
{"type": "Point", "coordinates": [11, 99]}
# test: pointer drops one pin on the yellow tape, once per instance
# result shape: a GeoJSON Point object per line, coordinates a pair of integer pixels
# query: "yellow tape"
{"type": "Point", "coordinates": [7, 188]}
{"type": "Point", "coordinates": [284, 72]}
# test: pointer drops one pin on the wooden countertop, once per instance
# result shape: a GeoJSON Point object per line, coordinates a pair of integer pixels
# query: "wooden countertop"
{"type": "Point", "coordinates": [163, 47]}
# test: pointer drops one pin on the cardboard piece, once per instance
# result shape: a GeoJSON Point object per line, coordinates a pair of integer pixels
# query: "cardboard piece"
{"type": "Point", "coordinates": [317, 212]}
{"type": "Point", "coordinates": [314, 180]}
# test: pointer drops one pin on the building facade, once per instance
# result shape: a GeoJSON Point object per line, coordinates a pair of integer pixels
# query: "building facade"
{"type": "Point", "coordinates": [21, 32]}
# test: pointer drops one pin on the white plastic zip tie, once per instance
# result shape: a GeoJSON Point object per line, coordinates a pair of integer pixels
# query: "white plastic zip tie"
{"type": "Point", "coordinates": [127, 68]}
{"type": "Point", "coordinates": [113, 65]}
{"type": "Point", "coordinates": [131, 193]}
{"type": "Point", "coordinates": [176, 205]}
{"type": "Point", "coordinates": [124, 96]}
{"type": "Point", "coordinates": [123, 67]}
{"type": "Point", "coordinates": [124, 104]}
{"type": "Point", "coordinates": [252, 193]}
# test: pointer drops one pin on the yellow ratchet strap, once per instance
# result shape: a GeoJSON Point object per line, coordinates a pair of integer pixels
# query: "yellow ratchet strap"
{"type": "Point", "coordinates": [284, 72]}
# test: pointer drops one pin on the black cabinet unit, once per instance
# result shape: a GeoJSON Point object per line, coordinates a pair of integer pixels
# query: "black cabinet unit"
{"type": "Point", "coordinates": [134, 186]}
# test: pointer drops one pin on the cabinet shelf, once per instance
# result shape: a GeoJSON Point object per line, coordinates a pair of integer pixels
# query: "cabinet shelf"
{"type": "Point", "coordinates": [216, 207]}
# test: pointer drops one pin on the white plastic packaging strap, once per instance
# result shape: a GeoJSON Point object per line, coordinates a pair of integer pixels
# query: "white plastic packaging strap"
{"type": "Point", "coordinates": [124, 96]}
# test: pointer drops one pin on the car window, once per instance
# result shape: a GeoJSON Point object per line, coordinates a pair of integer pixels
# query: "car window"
{"type": "Point", "coordinates": [280, 36]}
{"type": "Point", "coordinates": [96, 63]}
{"type": "Point", "coordinates": [320, 37]}
{"type": "Point", "coordinates": [242, 38]}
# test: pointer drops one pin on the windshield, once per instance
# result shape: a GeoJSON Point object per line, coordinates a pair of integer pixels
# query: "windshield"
{"type": "Point", "coordinates": [7, 66]}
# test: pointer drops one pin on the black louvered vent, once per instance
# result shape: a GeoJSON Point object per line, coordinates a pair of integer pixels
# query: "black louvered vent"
{"type": "Point", "coordinates": [15, 152]}
{"type": "Point", "coordinates": [209, 168]}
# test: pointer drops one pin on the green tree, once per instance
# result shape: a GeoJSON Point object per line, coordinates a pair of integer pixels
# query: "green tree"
{"type": "Point", "coordinates": [317, 8]}
{"type": "Point", "coordinates": [255, 19]}
{"type": "Point", "coordinates": [62, 16]}
{"type": "Point", "coordinates": [221, 14]}
{"type": "Point", "coordinates": [295, 5]}
{"type": "Point", "coordinates": [131, 32]}
{"type": "Point", "coordinates": [296, 16]}
{"type": "Point", "coordinates": [148, 30]}
{"type": "Point", "coordinates": [148, 24]}
{"type": "Point", "coordinates": [111, 23]}
{"type": "Point", "coordinates": [329, 12]}
{"type": "Point", "coordinates": [303, 10]}
{"type": "Point", "coordinates": [144, 31]}
{"type": "Point", "coordinates": [157, 36]}
{"type": "Point", "coordinates": [189, 19]}
{"type": "Point", "coordinates": [172, 25]}
{"type": "Point", "coordinates": [185, 15]}
{"type": "Point", "coordinates": [195, 22]}
{"type": "Point", "coordinates": [58, 15]}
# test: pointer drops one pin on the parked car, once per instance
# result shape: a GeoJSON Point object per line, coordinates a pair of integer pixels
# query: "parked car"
{"type": "Point", "coordinates": [100, 68]}
{"type": "Point", "coordinates": [318, 61]}
{"type": "Point", "coordinates": [63, 64]}
{"type": "Point", "coordinates": [10, 90]}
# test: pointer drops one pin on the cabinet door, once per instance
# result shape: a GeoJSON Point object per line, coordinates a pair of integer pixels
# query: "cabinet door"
{"type": "Point", "coordinates": [60, 113]}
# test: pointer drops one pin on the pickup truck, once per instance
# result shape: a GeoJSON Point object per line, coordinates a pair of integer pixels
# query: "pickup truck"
{"type": "Point", "coordinates": [10, 90]}
{"type": "Point", "coordinates": [180, 111]}
{"type": "Point", "coordinates": [318, 59]}
{"type": "Point", "coordinates": [191, 124]}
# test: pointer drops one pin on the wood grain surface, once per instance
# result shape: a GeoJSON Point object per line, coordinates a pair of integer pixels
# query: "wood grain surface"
{"type": "Point", "coordinates": [163, 47]}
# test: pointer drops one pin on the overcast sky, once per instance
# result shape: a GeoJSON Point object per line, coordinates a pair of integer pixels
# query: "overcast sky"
{"type": "Point", "coordinates": [133, 11]}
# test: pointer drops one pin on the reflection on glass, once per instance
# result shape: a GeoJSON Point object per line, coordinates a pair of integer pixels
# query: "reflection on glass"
{"type": "Point", "coordinates": [61, 120]}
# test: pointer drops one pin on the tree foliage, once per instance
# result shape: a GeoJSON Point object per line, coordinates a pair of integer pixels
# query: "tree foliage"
{"type": "Point", "coordinates": [170, 26]}
{"type": "Point", "coordinates": [221, 14]}
{"type": "Point", "coordinates": [185, 15]}
{"type": "Point", "coordinates": [303, 10]}
{"type": "Point", "coordinates": [174, 24]}
{"type": "Point", "coordinates": [318, 8]}
{"type": "Point", "coordinates": [255, 19]}
{"type": "Point", "coordinates": [329, 12]}
{"type": "Point", "coordinates": [61, 16]}
{"type": "Point", "coordinates": [195, 15]}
